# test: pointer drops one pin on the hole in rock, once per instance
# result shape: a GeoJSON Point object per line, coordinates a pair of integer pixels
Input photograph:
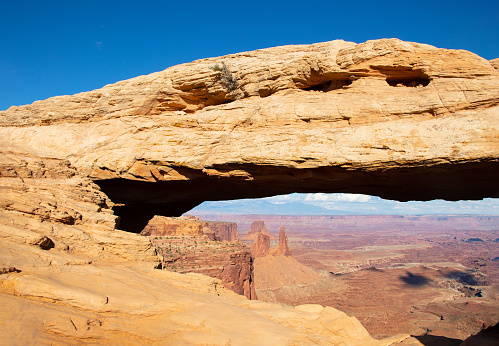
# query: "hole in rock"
{"type": "Point", "coordinates": [408, 82]}
{"type": "Point", "coordinates": [139, 201]}
{"type": "Point", "coordinates": [404, 76]}
{"type": "Point", "coordinates": [329, 85]}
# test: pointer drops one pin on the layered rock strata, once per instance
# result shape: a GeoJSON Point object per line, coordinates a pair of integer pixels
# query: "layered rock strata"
{"type": "Point", "coordinates": [51, 215]}
{"type": "Point", "coordinates": [172, 226]}
{"type": "Point", "coordinates": [191, 245]}
{"type": "Point", "coordinates": [191, 226]}
{"type": "Point", "coordinates": [399, 120]}
{"type": "Point", "coordinates": [224, 231]}
{"type": "Point", "coordinates": [68, 276]}
{"type": "Point", "coordinates": [229, 262]}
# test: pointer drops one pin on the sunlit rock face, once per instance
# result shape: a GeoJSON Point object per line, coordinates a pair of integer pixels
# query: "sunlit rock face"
{"type": "Point", "coordinates": [399, 120]}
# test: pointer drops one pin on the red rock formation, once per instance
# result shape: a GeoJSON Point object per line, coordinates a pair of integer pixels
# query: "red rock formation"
{"type": "Point", "coordinates": [234, 269]}
{"type": "Point", "coordinates": [224, 231]}
{"type": "Point", "coordinates": [261, 247]}
{"type": "Point", "coordinates": [191, 226]}
{"type": "Point", "coordinates": [230, 262]}
{"type": "Point", "coordinates": [189, 244]}
{"type": "Point", "coordinates": [238, 275]}
{"type": "Point", "coordinates": [282, 248]}
{"type": "Point", "coordinates": [177, 226]}
{"type": "Point", "coordinates": [256, 227]}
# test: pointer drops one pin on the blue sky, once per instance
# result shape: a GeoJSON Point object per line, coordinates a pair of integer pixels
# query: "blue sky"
{"type": "Point", "coordinates": [50, 48]}
{"type": "Point", "coordinates": [346, 204]}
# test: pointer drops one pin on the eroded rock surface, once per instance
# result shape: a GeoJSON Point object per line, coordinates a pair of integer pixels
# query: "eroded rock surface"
{"type": "Point", "coordinates": [46, 205]}
{"type": "Point", "coordinates": [191, 226]}
{"type": "Point", "coordinates": [68, 276]}
{"type": "Point", "coordinates": [224, 231]}
{"type": "Point", "coordinates": [400, 120]}
{"type": "Point", "coordinates": [178, 227]}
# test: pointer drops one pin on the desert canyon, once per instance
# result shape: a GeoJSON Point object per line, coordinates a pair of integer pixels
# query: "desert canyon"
{"type": "Point", "coordinates": [83, 175]}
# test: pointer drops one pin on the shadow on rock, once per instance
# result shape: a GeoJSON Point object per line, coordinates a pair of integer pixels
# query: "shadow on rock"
{"type": "Point", "coordinates": [486, 337]}
{"type": "Point", "coordinates": [436, 340]}
{"type": "Point", "coordinates": [414, 280]}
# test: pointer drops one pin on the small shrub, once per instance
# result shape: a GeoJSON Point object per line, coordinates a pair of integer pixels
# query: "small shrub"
{"type": "Point", "coordinates": [225, 77]}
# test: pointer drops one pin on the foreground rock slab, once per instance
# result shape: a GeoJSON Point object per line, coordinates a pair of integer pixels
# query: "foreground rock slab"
{"type": "Point", "coordinates": [130, 304]}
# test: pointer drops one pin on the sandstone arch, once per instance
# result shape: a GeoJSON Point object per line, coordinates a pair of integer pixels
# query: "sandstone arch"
{"type": "Point", "coordinates": [312, 118]}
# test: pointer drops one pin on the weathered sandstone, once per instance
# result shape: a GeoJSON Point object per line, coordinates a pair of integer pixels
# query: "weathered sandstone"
{"type": "Point", "coordinates": [46, 205]}
{"type": "Point", "coordinates": [400, 120]}
{"type": "Point", "coordinates": [172, 226]}
{"type": "Point", "coordinates": [94, 284]}
{"type": "Point", "coordinates": [224, 231]}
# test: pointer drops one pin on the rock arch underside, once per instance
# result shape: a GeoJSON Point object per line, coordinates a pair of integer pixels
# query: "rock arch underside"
{"type": "Point", "coordinates": [395, 119]}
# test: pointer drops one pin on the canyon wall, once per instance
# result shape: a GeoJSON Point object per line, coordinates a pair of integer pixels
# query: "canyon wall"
{"type": "Point", "coordinates": [190, 245]}
{"type": "Point", "coordinates": [224, 231]}
{"type": "Point", "coordinates": [191, 226]}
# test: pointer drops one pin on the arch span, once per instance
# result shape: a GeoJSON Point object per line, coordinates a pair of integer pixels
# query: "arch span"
{"type": "Point", "coordinates": [394, 119]}
{"type": "Point", "coordinates": [138, 201]}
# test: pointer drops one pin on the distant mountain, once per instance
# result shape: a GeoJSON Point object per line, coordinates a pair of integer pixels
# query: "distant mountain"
{"type": "Point", "coordinates": [262, 207]}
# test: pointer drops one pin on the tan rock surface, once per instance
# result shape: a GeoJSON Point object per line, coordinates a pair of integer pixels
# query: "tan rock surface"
{"type": "Point", "coordinates": [129, 305]}
{"type": "Point", "coordinates": [390, 118]}
{"type": "Point", "coordinates": [50, 215]}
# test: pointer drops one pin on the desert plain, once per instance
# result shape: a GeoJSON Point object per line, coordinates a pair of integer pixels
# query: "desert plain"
{"type": "Point", "coordinates": [434, 277]}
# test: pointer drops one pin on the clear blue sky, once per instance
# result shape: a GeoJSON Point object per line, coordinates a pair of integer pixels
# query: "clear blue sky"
{"type": "Point", "coordinates": [50, 48]}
